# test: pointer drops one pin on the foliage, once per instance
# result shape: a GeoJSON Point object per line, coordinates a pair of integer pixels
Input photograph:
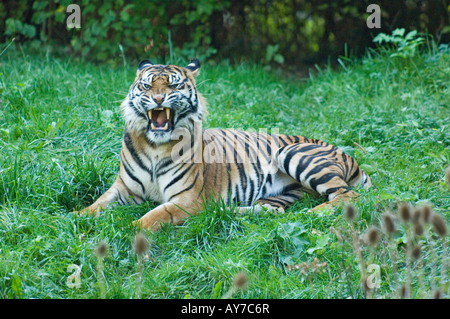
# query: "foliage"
{"type": "Point", "coordinates": [111, 29]}
{"type": "Point", "coordinates": [268, 32]}
{"type": "Point", "coordinates": [406, 45]}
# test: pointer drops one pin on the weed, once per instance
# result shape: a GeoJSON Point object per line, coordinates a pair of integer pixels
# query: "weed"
{"type": "Point", "coordinates": [140, 247]}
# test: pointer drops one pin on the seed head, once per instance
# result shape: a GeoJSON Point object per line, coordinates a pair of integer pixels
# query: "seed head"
{"type": "Point", "coordinates": [439, 225]}
{"type": "Point", "coordinates": [417, 214]}
{"type": "Point", "coordinates": [419, 229]}
{"type": "Point", "coordinates": [437, 294]}
{"type": "Point", "coordinates": [416, 252]}
{"type": "Point", "coordinates": [350, 212]}
{"type": "Point", "coordinates": [405, 212]}
{"type": "Point", "coordinates": [240, 280]}
{"type": "Point", "coordinates": [373, 236]}
{"type": "Point", "coordinates": [140, 244]}
{"type": "Point", "coordinates": [404, 292]}
{"type": "Point", "coordinates": [427, 212]}
{"type": "Point", "coordinates": [388, 222]}
{"type": "Point", "coordinates": [101, 249]}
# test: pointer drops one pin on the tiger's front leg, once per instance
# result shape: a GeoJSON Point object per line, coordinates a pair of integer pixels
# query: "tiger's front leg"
{"type": "Point", "coordinates": [118, 193]}
{"type": "Point", "coordinates": [171, 212]}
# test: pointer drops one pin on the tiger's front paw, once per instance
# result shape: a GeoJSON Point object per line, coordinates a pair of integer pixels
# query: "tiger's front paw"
{"type": "Point", "coordinates": [272, 209]}
{"type": "Point", "coordinates": [87, 212]}
{"type": "Point", "coordinates": [147, 223]}
{"type": "Point", "coordinates": [81, 212]}
{"type": "Point", "coordinates": [322, 208]}
{"type": "Point", "coordinates": [258, 208]}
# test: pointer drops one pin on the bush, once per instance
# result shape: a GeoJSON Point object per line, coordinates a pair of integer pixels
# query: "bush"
{"type": "Point", "coordinates": [114, 30]}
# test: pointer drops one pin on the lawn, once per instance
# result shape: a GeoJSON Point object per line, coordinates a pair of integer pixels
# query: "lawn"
{"type": "Point", "coordinates": [60, 138]}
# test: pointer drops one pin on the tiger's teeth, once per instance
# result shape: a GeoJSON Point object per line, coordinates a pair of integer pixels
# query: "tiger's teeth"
{"type": "Point", "coordinates": [166, 126]}
{"type": "Point", "coordinates": [152, 126]}
{"type": "Point", "coordinates": [159, 109]}
{"type": "Point", "coordinates": [168, 113]}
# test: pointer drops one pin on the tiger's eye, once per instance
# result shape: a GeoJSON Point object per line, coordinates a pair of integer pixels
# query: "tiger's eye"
{"type": "Point", "coordinates": [175, 85]}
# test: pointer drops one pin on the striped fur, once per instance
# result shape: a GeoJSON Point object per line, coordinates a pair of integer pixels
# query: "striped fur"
{"type": "Point", "coordinates": [167, 157]}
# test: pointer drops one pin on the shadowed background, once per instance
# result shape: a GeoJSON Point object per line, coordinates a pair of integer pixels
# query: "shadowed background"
{"type": "Point", "coordinates": [273, 32]}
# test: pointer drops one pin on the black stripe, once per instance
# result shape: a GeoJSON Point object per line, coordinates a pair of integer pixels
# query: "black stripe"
{"type": "Point", "coordinates": [252, 190]}
{"type": "Point", "coordinates": [263, 139]}
{"type": "Point", "coordinates": [278, 201]}
{"type": "Point", "coordinates": [287, 160]}
{"type": "Point", "coordinates": [120, 198]}
{"type": "Point", "coordinates": [335, 189]}
{"type": "Point", "coordinates": [318, 169]}
{"type": "Point", "coordinates": [290, 187]}
{"type": "Point", "coordinates": [237, 197]}
{"type": "Point", "coordinates": [293, 197]}
{"type": "Point", "coordinates": [321, 180]}
{"type": "Point", "coordinates": [283, 141]}
{"type": "Point", "coordinates": [129, 144]}
{"type": "Point", "coordinates": [345, 166]}
{"type": "Point", "coordinates": [134, 178]}
{"type": "Point", "coordinates": [309, 147]}
{"type": "Point", "coordinates": [322, 153]}
{"type": "Point", "coordinates": [178, 177]}
{"type": "Point", "coordinates": [135, 110]}
{"type": "Point", "coordinates": [242, 175]}
{"type": "Point", "coordinates": [236, 156]}
{"type": "Point", "coordinates": [354, 175]}
{"type": "Point", "coordinates": [124, 159]}
{"type": "Point", "coordinates": [187, 188]}
{"type": "Point", "coordinates": [302, 165]}
{"type": "Point", "coordinates": [162, 164]}
{"type": "Point", "coordinates": [229, 182]}
{"type": "Point", "coordinates": [182, 115]}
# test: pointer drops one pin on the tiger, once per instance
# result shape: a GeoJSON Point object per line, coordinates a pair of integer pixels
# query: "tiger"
{"type": "Point", "coordinates": [167, 157]}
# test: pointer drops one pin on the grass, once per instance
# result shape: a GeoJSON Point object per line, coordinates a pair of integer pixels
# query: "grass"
{"type": "Point", "coordinates": [60, 136]}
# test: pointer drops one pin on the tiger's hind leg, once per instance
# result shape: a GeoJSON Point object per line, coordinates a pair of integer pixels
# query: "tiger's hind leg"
{"type": "Point", "coordinates": [320, 170]}
{"type": "Point", "coordinates": [340, 199]}
{"type": "Point", "coordinates": [273, 204]}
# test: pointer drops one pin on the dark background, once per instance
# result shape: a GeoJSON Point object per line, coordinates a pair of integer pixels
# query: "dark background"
{"type": "Point", "coordinates": [274, 32]}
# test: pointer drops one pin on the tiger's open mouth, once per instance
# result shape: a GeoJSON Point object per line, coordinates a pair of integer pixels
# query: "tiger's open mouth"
{"type": "Point", "coordinates": [160, 119]}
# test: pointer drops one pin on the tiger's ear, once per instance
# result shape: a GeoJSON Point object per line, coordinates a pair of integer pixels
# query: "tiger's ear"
{"type": "Point", "coordinates": [144, 63]}
{"type": "Point", "coordinates": [194, 67]}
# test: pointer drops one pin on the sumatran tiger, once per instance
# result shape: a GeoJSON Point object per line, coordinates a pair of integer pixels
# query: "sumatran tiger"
{"type": "Point", "coordinates": [167, 157]}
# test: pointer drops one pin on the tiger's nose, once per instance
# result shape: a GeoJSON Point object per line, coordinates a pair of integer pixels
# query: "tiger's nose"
{"type": "Point", "coordinates": [158, 98]}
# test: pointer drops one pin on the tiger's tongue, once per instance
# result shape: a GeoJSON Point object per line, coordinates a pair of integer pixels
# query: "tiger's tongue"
{"type": "Point", "coordinates": [161, 118]}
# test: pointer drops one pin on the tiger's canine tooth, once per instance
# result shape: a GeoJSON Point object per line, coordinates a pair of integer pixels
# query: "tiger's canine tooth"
{"type": "Point", "coordinates": [168, 113]}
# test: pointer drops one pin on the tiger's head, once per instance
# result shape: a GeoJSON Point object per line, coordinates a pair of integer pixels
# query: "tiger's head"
{"type": "Point", "coordinates": [163, 98]}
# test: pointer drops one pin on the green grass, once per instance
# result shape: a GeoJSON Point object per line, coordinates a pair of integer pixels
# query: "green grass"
{"type": "Point", "coordinates": [60, 137]}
